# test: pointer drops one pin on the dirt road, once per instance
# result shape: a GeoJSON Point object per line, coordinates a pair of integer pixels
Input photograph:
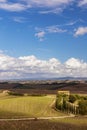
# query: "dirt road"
{"type": "Point", "coordinates": [38, 118]}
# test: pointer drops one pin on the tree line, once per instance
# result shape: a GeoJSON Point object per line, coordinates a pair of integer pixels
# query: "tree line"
{"type": "Point", "coordinates": [72, 103]}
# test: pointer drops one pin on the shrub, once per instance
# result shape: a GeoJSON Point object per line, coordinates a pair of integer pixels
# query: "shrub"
{"type": "Point", "coordinates": [15, 94]}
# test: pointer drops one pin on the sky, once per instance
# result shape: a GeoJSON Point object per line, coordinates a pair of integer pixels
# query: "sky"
{"type": "Point", "coordinates": [43, 38]}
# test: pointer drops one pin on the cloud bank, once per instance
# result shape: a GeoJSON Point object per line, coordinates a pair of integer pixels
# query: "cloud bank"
{"type": "Point", "coordinates": [32, 67]}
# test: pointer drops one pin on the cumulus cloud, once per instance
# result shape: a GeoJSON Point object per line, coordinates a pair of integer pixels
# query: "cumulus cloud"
{"type": "Point", "coordinates": [74, 63]}
{"type": "Point", "coordinates": [80, 31]}
{"type": "Point", "coordinates": [32, 67]}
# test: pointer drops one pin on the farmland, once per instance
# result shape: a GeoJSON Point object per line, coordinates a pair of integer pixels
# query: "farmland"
{"type": "Point", "coordinates": [27, 106]}
{"type": "Point", "coordinates": [60, 124]}
{"type": "Point", "coordinates": [35, 100]}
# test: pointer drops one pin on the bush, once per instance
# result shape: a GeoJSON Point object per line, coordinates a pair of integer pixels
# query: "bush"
{"type": "Point", "coordinates": [15, 94]}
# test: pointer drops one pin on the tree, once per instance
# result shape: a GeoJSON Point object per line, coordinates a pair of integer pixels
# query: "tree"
{"type": "Point", "coordinates": [59, 102]}
{"type": "Point", "coordinates": [72, 98]}
{"type": "Point", "coordinates": [83, 107]}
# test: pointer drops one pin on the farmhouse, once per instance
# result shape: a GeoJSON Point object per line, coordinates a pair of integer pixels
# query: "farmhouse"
{"type": "Point", "coordinates": [64, 92]}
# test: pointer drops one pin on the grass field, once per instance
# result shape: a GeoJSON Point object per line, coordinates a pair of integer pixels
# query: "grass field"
{"type": "Point", "coordinates": [27, 106]}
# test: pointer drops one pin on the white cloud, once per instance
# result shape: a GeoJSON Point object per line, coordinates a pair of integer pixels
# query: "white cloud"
{"type": "Point", "coordinates": [74, 63]}
{"type": "Point", "coordinates": [1, 51]}
{"type": "Point", "coordinates": [80, 31]}
{"type": "Point", "coordinates": [47, 3]}
{"type": "Point", "coordinates": [15, 7]}
{"type": "Point", "coordinates": [45, 6]}
{"type": "Point", "coordinates": [82, 3]}
{"type": "Point", "coordinates": [51, 6]}
{"type": "Point", "coordinates": [76, 67]}
{"type": "Point", "coordinates": [71, 23]}
{"type": "Point", "coordinates": [32, 67]}
{"type": "Point", "coordinates": [26, 4]}
{"type": "Point", "coordinates": [55, 29]}
{"type": "Point", "coordinates": [40, 35]}
{"type": "Point", "coordinates": [55, 11]}
{"type": "Point", "coordinates": [41, 32]}
{"type": "Point", "coordinates": [19, 19]}
{"type": "Point", "coordinates": [3, 0]}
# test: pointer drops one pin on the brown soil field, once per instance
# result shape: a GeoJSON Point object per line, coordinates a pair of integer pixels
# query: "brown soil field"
{"type": "Point", "coordinates": [39, 125]}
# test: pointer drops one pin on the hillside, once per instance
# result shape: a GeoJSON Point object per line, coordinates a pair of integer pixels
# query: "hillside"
{"type": "Point", "coordinates": [46, 87]}
{"type": "Point", "coordinates": [27, 106]}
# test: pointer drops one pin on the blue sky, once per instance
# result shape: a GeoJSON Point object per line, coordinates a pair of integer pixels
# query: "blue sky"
{"type": "Point", "coordinates": [45, 30]}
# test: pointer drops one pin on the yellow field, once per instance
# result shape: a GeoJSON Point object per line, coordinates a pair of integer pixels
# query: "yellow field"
{"type": "Point", "coordinates": [27, 106]}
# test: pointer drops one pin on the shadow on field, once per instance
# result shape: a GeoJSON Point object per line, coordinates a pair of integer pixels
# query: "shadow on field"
{"type": "Point", "coordinates": [38, 125]}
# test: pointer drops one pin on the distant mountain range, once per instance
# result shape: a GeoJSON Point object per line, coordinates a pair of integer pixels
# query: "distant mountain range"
{"type": "Point", "coordinates": [59, 78]}
{"type": "Point", "coordinates": [71, 78]}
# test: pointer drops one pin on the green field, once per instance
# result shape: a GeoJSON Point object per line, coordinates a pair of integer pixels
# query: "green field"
{"type": "Point", "coordinates": [27, 106]}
